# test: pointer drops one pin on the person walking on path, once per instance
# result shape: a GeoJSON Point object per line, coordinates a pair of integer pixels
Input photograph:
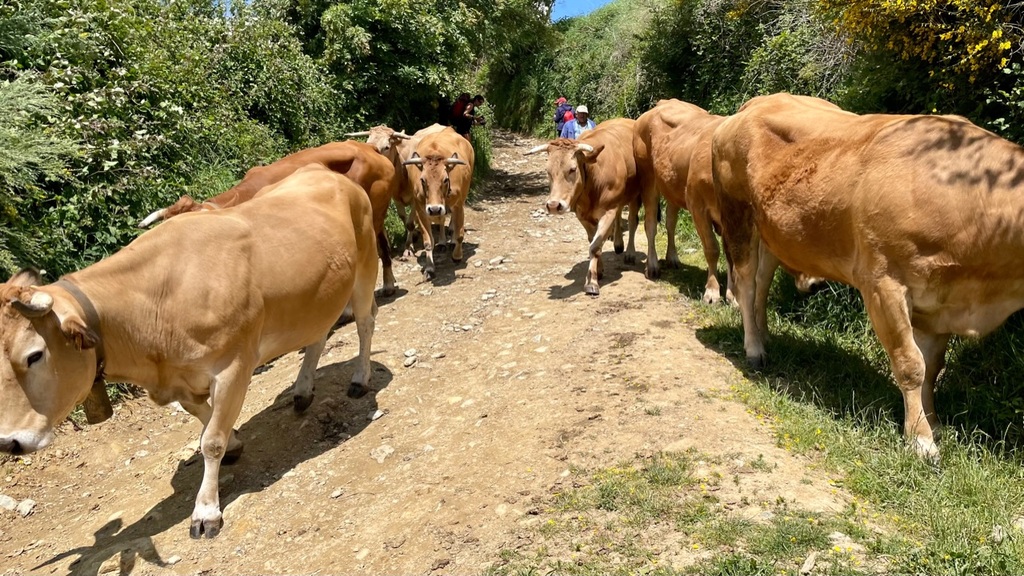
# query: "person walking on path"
{"type": "Point", "coordinates": [581, 124]}
{"type": "Point", "coordinates": [562, 107]}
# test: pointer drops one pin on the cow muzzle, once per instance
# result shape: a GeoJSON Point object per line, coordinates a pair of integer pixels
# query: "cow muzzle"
{"type": "Point", "coordinates": [24, 442]}
{"type": "Point", "coordinates": [435, 210]}
{"type": "Point", "coordinates": [557, 207]}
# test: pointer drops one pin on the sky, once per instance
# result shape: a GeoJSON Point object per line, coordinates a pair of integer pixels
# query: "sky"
{"type": "Point", "coordinates": [568, 8]}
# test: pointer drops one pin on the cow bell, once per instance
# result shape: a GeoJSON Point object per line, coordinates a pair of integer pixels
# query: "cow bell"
{"type": "Point", "coordinates": [97, 404]}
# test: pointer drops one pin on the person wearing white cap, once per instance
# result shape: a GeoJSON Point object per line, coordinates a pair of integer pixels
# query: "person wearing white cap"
{"type": "Point", "coordinates": [581, 124]}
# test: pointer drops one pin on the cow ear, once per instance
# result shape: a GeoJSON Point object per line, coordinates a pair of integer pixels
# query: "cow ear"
{"type": "Point", "coordinates": [78, 333]}
{"type": "Point", "coordinates": [26, 277]}
{"type": "Point", "coordinates": [592, 156]}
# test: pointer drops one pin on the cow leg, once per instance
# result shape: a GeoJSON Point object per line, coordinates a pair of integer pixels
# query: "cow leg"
{"type": "Point", "coordinates": [202, 412]}
{"type": "Point", "coordinates": [384, 250]}
{"type": "Point", "coordinates": [405, 213]}
{"type": "Point", "coordinates": [651, 208]}
{"type": "Point", "coordinates": [228, 393]}
{"type": "Point", "coordinates": [633, 220]}
{"type": "Point", "coordinates": [709, 242]}
{"type": "Point", "coordinates": [365, 309]}
{"type": "Point", "coordinates": [767, 264]}
{"type": "Point", "coordinates": [442, 231]}
{"type": "Point", "coordinates": [745, 262]}
{"type": "Point", "coordinates": [933, 348]}
{"type": "Point", "coordinates": [458, 231]}
{"type": "Point", "coordinates": [428, 241]}
{"type": "Point", "coordinates": [912, 366]}
{"type": "Point", "coordinates": [604, 226]}
{"type": "Point", "coordinates": [620, 247]}
{"type": "Point", "coordinates": [302, 391]}
{"type": "Point", "coordinates": [671, 219]}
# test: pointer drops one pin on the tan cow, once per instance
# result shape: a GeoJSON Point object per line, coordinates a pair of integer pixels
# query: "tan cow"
{"type": "Point", "coordinates": [399, 147]}
{"type": "Point", "coordinates": [923, 214]}
{"type": "Point", "coordinates": [353, 159]}
{"type": "Point", "coordinates": [672, 144]}
{"type": "Point", "coordinates": [443, 164]}
{"type": "Point", "coordinates": [595, 177]}
{"type": "Point", "coordinates": [261, 279]}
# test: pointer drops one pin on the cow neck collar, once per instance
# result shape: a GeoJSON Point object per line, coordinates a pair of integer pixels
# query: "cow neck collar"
{"type": "Point", "coordinates": [92, 320]}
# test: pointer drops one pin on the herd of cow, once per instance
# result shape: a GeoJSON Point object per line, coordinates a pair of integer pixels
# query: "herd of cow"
{"type": "Point", "coordinates": [922, 214]}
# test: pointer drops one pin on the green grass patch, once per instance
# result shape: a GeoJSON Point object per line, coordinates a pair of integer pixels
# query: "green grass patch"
{"type": "Point", "coordinates": [654, 516]}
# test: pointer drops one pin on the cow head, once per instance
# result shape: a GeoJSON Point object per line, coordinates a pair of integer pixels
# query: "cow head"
{"type": "Point", "coordinates": [183, 205]}
{"type": "Point", "coordinates": [47, 362]}
{"type": "Point", "coordinates": [435, 180]}
{"type": "Point", "coordinates": [567, 171]}
{"type": "Point", "coordinates": [384, 139]}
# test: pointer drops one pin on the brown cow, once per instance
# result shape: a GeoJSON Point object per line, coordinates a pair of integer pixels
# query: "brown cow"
{"type": "Point", "coordinates": [398, 147]}
{"type": "Point", "coordinates": [672, 144]}
{"type": "Point", "coordinates": [595, 177]}
{"type": "Point", "coordinates": [285, 266]}
{"type": "Point", "coordinates": [443, 164]}
{"type": "Point", "coordinates": [353, 159]}
{"type": "Point", "coordinates": [922, 214]}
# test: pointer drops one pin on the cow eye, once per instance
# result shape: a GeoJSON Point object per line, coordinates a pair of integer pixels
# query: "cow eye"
{"type": "Point", "coordinates": [34, 357]}
{"type": "Point", "coordinates": [572, 169]}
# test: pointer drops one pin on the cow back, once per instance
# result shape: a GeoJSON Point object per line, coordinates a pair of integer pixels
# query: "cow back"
{"type": "Point", "coordinates": [934, 202]}
{"type": "Point", "coordinates": [664, 142]}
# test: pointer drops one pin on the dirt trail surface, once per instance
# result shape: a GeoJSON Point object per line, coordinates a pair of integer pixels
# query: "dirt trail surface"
{"type": "Point", "coordinates": [491, 384]}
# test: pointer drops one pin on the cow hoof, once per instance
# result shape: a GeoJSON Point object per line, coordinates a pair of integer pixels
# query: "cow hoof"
{"type": "Point", "coordinates": [653, 273]}
{"type": "Point", "coordinates": [387, 291]}
{"type": "Point", "coordinates": [757, 362]}
{"type": "Point", "coordinates": [710, 298]}
{"type": "Point", "coordinates": [592, 290]}
{"type": "Point", "coordinates": [628, 258]}
{"type": "Point", "coordinates": [232, 456]}
{"type": "Point", "coordinates": [208, 528]}
{"type": "Point", "coordinates": [441, 248]}
{"type": "Point", "coordinates": [356, 390]}
{"type": "Point", "coordinates": [671, 263]}
{"type": "Point", "coordinates": [300, 403]}
{"type": "Point", "coordinates": [620, 249]}
{"type": "Point", "coordinates": [428, 275]}
{"type": "Point", "coordinates": [456, 260]}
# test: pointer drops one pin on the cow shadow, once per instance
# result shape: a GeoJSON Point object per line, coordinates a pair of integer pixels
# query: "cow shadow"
{"type": "Point", "coordinates": [613, 268]}
{"type": "Point", "coordinates": [446, 271]}
{"type": "Point", "coordinates": [690, 280]}
{"type": "Point", "coordinates": [841, 382]}
{"type": "Point", "coordinates": [276, 440]}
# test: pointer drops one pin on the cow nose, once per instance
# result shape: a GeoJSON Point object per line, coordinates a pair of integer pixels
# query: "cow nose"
{"type": "Point", "coordinates": [555, 206]}
{"type": "Point", "coordinates": [435, 210]}
{"type": "Point", "coordinates": [11, 446]}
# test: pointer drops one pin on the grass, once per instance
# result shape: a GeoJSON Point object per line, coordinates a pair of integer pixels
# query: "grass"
{"type": "Point", "coordinates": [644, 515]}
{"type": "Point", "coordinates": [828, 393]}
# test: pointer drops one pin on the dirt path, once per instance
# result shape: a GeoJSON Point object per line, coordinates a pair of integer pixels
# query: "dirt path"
{"type": "Point", "coordinates": [518, 379]}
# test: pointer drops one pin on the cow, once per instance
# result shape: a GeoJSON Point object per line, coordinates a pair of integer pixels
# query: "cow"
{"type": "Point", "coordinates": [284, 266]}
{"type": "Point", "coordinates": [672, 145]}
{"type": "Point", "coordinates": [398, 147]}
{"type": "Point", "coordinates": [922, 214]}
{"type": "Point", "coordinates": [442, 162]}
{"type": "Point", "coordinates": [355, 160]}
{"type": "Point", "coordinates": [596, 177]}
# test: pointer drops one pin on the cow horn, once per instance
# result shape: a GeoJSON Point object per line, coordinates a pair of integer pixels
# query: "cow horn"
{"type": "Point", "coordinates": [148, 220]}
{"type": "Point", "coordinates": [455, 160]}
{"type": "Point", "coordinates": [535, 149]}
{"type": "Point", "coordinates": [401, 135]}
{"type": "Point", "coordinates": [37, 306]}
{"type": "Point", "coordinates": [581, 147]}
{"type": "Point", "coordinates": [413, 162]}
{"type": "Point", "coordinates": [356, 134]}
